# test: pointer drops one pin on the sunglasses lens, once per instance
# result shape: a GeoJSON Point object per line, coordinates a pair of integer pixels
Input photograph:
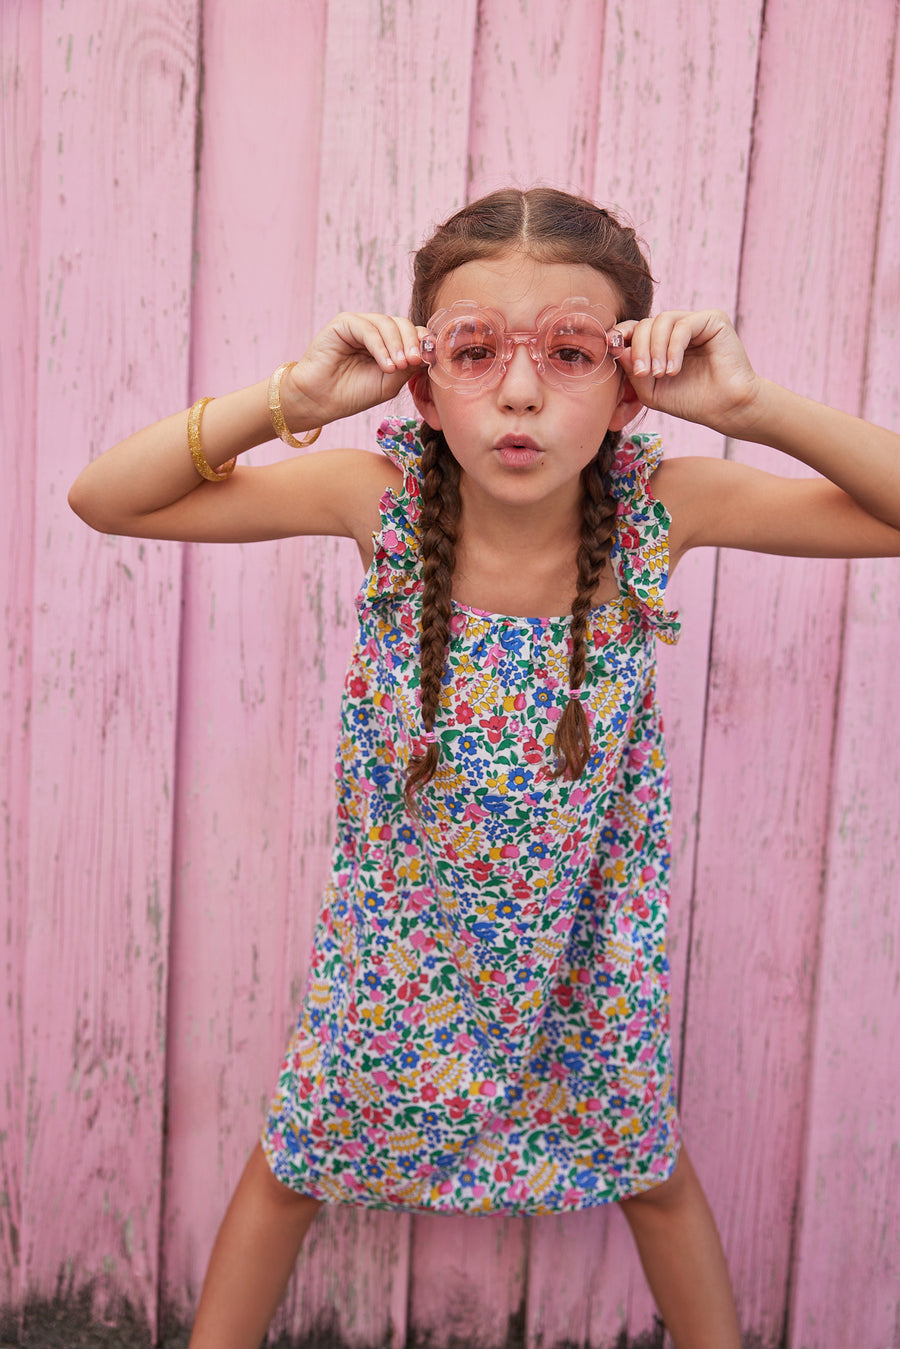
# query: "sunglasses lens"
{"type": "Point", "coordinates": [577, 349]}
{"type": "Point", "coordinates": [466, 348]}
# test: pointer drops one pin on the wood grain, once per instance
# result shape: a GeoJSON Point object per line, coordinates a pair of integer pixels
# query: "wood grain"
{"type": "Point", "coordinates": [808, 247]}
{"type": "Point", "coordinates": [113, 275]}
{"type": "Point", "coordinates": [242, 629]}
{"type": "Point", "coordinates": [849, 1230]}
{"type": "Point", "coordinates": [20, 131]}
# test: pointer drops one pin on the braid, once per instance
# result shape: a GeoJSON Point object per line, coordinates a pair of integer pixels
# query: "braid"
{"type": "Point", "coordinates": [573, 737]}
{"type": "Point", "coordinates": [438, 521]}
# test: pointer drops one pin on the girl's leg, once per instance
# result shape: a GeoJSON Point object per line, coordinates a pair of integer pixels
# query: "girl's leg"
{"type": "Point", "coordinates": [683, 1259]}
{"type": "Point", "coordinates": [252, 1259]}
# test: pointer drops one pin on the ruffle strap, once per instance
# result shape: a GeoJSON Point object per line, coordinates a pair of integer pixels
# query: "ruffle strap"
{"type": "Point", "coordinates": [640, 550]}
{"type": "Point", "coordinates": [395, 564]}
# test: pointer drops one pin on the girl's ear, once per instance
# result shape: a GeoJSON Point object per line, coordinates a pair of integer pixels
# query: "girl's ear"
{"type": "Point", "coordinates": [421, 390]}
{"type": "Point", "coordinates": [627, 408]}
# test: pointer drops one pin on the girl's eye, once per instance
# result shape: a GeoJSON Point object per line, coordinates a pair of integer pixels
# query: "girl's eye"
{"type": "Point", "coordinates": [472, 353]}
{"type": "Point", "coordinates": [573, 356]}
{"type": "Point", "coordinates": [577, 350]}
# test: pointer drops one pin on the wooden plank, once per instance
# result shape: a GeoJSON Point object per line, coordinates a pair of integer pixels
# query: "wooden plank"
{"type": "Point", "coordinates": [846, 1282]}
{"type": "Point", "coordinates": [20, 134]}
{"type": "Point", "coordinates": [676, 87]}
{"type": "Point", "coordinates": [534, 95]}
{"type": "Point", "coordinates": [395, 115]}
{"type": "Point", "coordinates": [809, 242]}
{"type": "Point", "coordinates": [243, 627]}
{"type": "Point", "coordinates": [114, 273]}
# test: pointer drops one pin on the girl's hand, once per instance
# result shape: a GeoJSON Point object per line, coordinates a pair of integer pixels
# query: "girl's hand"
{"type": "Point", "coordinates": [692, 365]}
{"type": "Point", "coordinates": [357, 362]}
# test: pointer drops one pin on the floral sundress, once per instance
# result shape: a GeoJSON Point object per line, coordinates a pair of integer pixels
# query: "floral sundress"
{"type": "Point", "coordinates": [485, 1026]}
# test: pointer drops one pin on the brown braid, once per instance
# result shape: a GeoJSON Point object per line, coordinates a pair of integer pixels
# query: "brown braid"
{"type": "Point", "coordinates": [438, 524]}
{"type": "Point", "coordinates": [573, 737]}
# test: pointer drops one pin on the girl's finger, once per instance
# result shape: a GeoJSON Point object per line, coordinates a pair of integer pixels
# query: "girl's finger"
{"type": "Point", "coordinates": [400, 338]}
{"type": "Point", "coordinates": [379, 334]}
{"type": "Point", "coordinates": [640, 347]}
{"type": "Point", "coordinates": [680, 337]}
{"type": "Point", "coordinates": [663, 349]}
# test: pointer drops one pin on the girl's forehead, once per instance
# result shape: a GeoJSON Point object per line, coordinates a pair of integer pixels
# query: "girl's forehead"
{"type": "Point", "coordinates": [520, 286]}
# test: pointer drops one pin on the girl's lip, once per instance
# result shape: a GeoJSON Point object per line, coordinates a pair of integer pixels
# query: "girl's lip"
{"type": "Point", "coordinates": [514, 442]}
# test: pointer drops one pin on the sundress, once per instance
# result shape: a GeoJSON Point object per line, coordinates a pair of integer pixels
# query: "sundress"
{"type": "Point", "coordinates": [485, 1026]}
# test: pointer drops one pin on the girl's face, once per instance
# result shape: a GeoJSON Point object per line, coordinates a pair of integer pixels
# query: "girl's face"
{"type": "Point", "coordinates": [524, 442]}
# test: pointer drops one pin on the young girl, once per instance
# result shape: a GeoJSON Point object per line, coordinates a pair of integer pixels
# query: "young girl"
{"type": "Point", "coordinates": [486, 1022]}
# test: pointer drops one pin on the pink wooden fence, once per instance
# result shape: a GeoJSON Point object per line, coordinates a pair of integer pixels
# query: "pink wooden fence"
{"type": "Point", "coordinates": [191, 187]}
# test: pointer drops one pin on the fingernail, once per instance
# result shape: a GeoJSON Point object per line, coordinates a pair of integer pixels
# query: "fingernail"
{"type": "Point", "coordinates": [657, 367]}
{"type": "Point", "coordinates": [670, 367]}
{"type": "Point", "coordinates": [640, 367]}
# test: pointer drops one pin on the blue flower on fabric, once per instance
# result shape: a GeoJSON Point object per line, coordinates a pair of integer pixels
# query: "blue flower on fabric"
{"type": "Point", "coordinates": [511, 640]}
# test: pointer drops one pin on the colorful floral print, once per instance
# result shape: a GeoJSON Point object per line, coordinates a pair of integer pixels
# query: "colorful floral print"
{"type": "Point", "coordinates": [486, 1021]}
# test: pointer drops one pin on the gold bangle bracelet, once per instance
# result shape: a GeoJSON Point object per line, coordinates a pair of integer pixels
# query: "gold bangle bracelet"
{"type": "Point", "coordinates": [205, 470]}
{"type": "Point", "coordinates": [277, 415]}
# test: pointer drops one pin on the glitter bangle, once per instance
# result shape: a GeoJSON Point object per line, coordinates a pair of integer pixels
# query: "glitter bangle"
{"type": "Point", "coordinates": [205, 469]}
{"type": "Point", "coordinates": [277, 415]}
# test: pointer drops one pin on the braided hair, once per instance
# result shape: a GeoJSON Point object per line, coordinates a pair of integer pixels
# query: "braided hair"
{"type": "Point", "coordinates": [550, 226]}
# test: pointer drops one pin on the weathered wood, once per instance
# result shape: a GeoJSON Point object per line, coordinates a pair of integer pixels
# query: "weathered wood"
{"type": "Point", "coordinates": [535, 95]}
{"type": "Point", "coordinates": [20, 129]}
{"type": "Point", "coordinates": [808, 246]}
{"type": "Point", "coordinates": [243, 628]}
{"type": "Point", "coordinates": [846, 1267]}
{"type": "Point", "coordinates": [114, 274]}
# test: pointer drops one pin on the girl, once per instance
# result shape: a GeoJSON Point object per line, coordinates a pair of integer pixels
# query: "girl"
{"type": "Point", "coordinates": [486, 1022]}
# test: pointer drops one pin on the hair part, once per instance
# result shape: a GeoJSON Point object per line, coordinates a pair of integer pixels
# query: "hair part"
{"type": "Point", "coordinates": [548, 226]}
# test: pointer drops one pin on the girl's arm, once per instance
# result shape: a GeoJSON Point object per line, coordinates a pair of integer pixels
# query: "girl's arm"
{"type": "Point", "coordinates": [147, 485]}
{"type": "Point", "coordinates": [695, 367]}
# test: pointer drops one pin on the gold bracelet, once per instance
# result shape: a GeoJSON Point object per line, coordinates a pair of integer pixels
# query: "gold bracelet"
{"type": "Point", "coordinates": [203, 468]}
{"type": "Point", "coordinates": [277, 415]}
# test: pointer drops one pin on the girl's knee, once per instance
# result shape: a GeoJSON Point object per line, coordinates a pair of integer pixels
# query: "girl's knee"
{"type": "Point", "coordinates": [668, 1193]}
{"type": "Point", "coordinates": [265, 1182]}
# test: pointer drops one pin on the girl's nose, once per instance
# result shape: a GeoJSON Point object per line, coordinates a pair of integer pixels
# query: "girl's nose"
{"type": "Point", "coordinates": [521, 387]}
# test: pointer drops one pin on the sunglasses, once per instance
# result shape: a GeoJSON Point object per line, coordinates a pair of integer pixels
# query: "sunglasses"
{"type": "Point", "coordinates": [574, 345]}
